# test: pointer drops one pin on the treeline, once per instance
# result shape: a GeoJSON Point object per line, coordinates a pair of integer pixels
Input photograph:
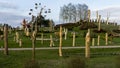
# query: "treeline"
{"type": "Point", "coordinates": [73, 12]}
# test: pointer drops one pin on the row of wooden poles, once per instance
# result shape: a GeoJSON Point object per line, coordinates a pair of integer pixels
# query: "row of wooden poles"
{"type": "Point", "coordinates": [17, 39]}
{"type": "Point", "coordinates": [87, 40]}
{"type": "Point", "coordinates": [87, 37]}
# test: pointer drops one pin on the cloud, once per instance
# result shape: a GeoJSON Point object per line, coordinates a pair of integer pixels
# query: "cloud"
{"type": "Point", "coordinates": [114, 14]}
{"type": "Point", "coordinates": [7, 5]}
{"type": "Point", "coordinates": [12, 19]}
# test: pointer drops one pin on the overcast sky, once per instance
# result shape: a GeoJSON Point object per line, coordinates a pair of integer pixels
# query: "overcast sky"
{"type": "Point", "coordinates": [13, 11]}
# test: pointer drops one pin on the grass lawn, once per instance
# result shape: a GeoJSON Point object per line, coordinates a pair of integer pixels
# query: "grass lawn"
{"type": "Point", "coordinates": [50, 58]}
{"type": "Point", "coordinates": [100, 58]}
{"type": "Point", "coordinates": [80, 40]}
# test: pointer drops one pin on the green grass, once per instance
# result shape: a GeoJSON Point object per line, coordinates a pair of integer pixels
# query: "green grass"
{"type": "Point", "coordinates": [100, 58]}
{"type": "Point", "coordinates": [80, 39]}
{"type": "Point", "coordinates": [50, 58]}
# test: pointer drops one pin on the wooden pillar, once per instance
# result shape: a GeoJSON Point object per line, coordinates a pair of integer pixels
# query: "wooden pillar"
{"type": "Point", "coordinates": [27, 32]}
{"type": "Point", "coordinates": [89, 13]}
{"type": "Point", "coordinates": [51, 26]}
{"type": "Point", "coordinates": [93, 41]}
{"type": "Point", "coordinates": [107, 18]}
{"type": "Point", "coordinates": [51, 41]}
{"type": "Point", "coordinates": [73, 39]}
{"type": "Point", "coordinates": [98, 43]}
{"type": "Point", "coordinates": [33, 44]}
{"type": "Point", "coordinates": [87, 44]}
{"type": "Point", "coordinates": [97, 16]}
{"type": "Point", "coordinates": [60, 44]}
{"type": "Point", "coordinates": [20, 43]}
{"type": "Point", "coordinates": [99, 25]}
{"type": "Point", "coordinates": [6, 39]}
{"type": "Point", "coordinates": [41, 38]}
{"type": "Point", "coordinates": [36, 27]}
{"type": "Point", "coordinates": [66, 31]}
{"type": "Point", "coordinates": [106, 38]}
{"type": "Point", "coordinates": [17, 37]}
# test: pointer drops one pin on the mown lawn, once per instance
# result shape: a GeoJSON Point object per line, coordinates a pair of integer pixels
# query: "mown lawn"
{"type": "Point", "coordinates": [102, 58]}
{"type": "Point", "coordinates": [80, 40]}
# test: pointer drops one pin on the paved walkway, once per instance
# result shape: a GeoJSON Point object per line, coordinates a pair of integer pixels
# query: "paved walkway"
{"type": "Point", "coordinates": [51, 48]}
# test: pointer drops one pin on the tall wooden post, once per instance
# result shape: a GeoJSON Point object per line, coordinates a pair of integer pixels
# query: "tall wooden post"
{"type": "Point", "coordinates": [51, 26]}
{"type": "Point", "coordinates": [89, 13]}
{"type": "Point", "coordinates": [66, 31]}
{"type": "Point", "coordinates": [51, 41]}
{"type": "Point", "coordinates": [107, 18]}
{"type": "Point", "coordinates": [97, 16]}
{"type": "Point", "coordinates": [98, 43]}
{"type": "Point", "coordinates": [17, 37]}
{"type": "Point", "coordinates": [20, 42]}
{"type": "Point", "coordinates": [87, 44]}
{"type": "Point", "coordinates": [27, 32]}
{"type": "Point", "coordinates": [60, 44]}
{"type": "Point", "coordinates": [36, 27]}
{"type": "Point", "coordinates": [93, 41]}
{"type": "Point", "coordinates": [42, 38]}
{"type": "Point", "coordinates": [33, 44]}
{"type": "Point", "coordinates": [6, 39]}
{"type": "Point", "coordinates": [106, 38]}
{"type": "Point", "coordinates": [99, 23]}
{"type": "Point", "coordinates": [73, 39]}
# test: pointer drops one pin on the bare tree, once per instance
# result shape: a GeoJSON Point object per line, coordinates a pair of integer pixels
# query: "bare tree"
{"type": "Point", "coordinates": [73, 13]}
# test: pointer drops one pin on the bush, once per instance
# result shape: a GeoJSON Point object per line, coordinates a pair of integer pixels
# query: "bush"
{"type": "Point", "coordinates": [31, 64]}
{"type": "Point", "coordinates": [76, 62]}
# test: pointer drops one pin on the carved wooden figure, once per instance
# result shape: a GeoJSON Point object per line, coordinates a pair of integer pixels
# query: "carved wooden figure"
{"type": "Point", "coordinates": [87, 44]}
{"type": "Point", "coordinates": [42, 38]}
{"type": "Point", "coordinates": [97, 16]}
{"type": "Point", "coordinates": [17, 37]}
{"type": "Point", "coordinates": [20, 43]}
{"type": "Point", "coordinates": [66, 31]}
{"type": "Point", "coordinates": [98, 43]}
{"type": "Point", "coordinates": [51, 41]}
{"type": "Point", "coordinates": [93, 41]}
{"type": "Point", "coordinates": [60, 44]}
{"type": "Point", "coordinates": [6, 39]}
{"type": "Point", "coordinates": [106, 38]}
{"type": "Point", "coordinates": [73, 39]}
{"type": "Point", "coordinates": [99, 21]}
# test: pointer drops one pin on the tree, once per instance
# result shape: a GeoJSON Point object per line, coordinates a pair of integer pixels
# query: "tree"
{"type": "Point", "coordinates": [72, 13]}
